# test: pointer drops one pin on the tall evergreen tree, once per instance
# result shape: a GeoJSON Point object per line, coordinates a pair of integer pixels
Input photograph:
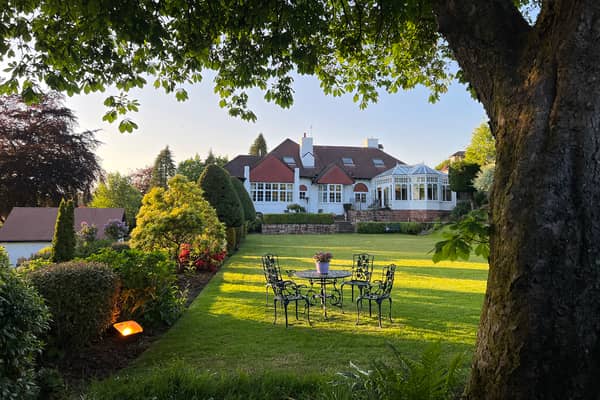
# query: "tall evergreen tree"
{"type": "Point", "coordinates": [63, 242]}
{"type": "Point", "coordinates": [164, 169]}
{"type": "Point", "coordinates": [259, 147]}
{"type": "Point", "coordinates": [219, 192]}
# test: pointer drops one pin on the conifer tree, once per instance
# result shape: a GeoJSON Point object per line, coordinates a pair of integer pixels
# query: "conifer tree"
{"type": "Point", "coordinates": [219, 192]}
{"type": "Point", "coordinates": [245, 200]}
{"type": "Point", "coordinates": [63, 242]}
{"type": "Point", "coordinates": [164, 169]}
{"type": "Point", "coordinates": [259, 147]}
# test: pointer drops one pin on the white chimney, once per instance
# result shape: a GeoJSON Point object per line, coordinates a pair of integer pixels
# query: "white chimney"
{"type": "Point", "coordinates": [306, 151]}
{"type": "Point", "coordinates": [371, 142]}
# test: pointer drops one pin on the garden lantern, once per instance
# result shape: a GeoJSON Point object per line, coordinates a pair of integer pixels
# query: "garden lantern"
{"type": "Point", "coordinates": [128, 328]}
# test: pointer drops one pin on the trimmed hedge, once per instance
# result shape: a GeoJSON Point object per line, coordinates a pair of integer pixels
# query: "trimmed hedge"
{"type": "Point", "coordinates": [411, 228]}
{"type": "Point", "coordinates": [82, 297]}
{"type": "Point", "coordinates": [24, 319]}
{"type": "Point", "coordinates": [298, 218]}
{"type": "Point", "coordinates": [149, 293]}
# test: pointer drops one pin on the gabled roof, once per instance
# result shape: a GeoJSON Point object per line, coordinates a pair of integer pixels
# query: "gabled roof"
{"type": "Point", "coordinates": [36, 224]}
{"type": "Point", "coordinates": [334, 174]}
{"type": "Point", "coordinates": [235, 167]}
{"type": "Point", "coordinates": [271, 169]}
{"type": "Point", "coordinates": [419, 169]}
{"type": "Point", "coordinates": [362, 158]}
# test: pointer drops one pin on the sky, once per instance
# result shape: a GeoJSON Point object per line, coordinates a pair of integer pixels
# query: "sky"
{"type": "Point", "coordinates": [406, 124]}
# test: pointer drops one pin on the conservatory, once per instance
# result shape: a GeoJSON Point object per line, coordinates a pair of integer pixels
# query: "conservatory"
{"type": "Point", "coordinates": [413, 187]}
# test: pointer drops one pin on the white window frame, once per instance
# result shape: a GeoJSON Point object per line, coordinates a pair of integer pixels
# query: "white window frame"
{"type": "Point", "coordinates": [360, 197]}
{"type": "Point", "coordinates": [331, 193]}
{"type": "Point", "coordinates": [272, 192]}
{"type": "Point", "coordinates": [446, 192]}
{"type": "Point", "coordinates": [432, 188]}
{"type": "Point", "coordinates": [402, 183]}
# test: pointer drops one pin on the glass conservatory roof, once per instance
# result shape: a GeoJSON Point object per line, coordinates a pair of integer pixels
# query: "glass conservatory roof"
{"type": "Point", "coordinates": [419, 169]}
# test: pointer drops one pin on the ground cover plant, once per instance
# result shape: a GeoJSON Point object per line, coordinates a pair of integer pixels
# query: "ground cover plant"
{"type": "Point", "coordinates": [228, 329]}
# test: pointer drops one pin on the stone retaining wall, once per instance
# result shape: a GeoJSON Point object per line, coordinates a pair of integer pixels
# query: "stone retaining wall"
{"type": "Point", "coordinates": [277, 229]}
{"type": "Point", "coordinates": [396, 215]}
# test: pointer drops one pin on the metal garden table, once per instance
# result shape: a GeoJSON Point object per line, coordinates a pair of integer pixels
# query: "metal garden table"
{"type": "Point", "coordinates": [325, 279]}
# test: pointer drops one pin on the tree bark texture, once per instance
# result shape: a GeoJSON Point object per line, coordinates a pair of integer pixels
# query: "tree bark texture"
{"type": "Point", "coordinates": [539, 334]}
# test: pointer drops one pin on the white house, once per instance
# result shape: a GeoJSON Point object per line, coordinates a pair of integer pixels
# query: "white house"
{"type": "Point", "coordinates": [323, 178]}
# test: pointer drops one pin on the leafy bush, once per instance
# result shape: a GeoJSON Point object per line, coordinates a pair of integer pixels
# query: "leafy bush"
{"type": "Point", "coordinates": [412, 228]}
{"type": "Point", "coordinates": [231, 240]}
{"type": "Point", "coordinates": [462, 208]}
{"type": "Point", "coordinates": [115, 230]}
{"type": "Point", "coordinates": [256, 225]}
{"type": "Point", "coordinates": [296, 208]}
{"type": "Point", "coordinates": [4, 260]}
{"type": "Point", "coordinates": [86, 249]}
{"type": "Point", "coordinates": [247, 204]}
{"type": "Point", "coordinates": [87, 233]}
{"type": "Point", "coordinates": [120, 246]}
{"type": "Point", "coordinates": [24, 320]}
{"type": "Point", "coordinates": [44, 253]}
{"type": "Point", "coordinates": [149, 294]}
{"type": "Point", "coordinates": [82, 297]}
{"type": "Point", "coordinates": [218, 190]}
{"type": "Point", "coordinates": [298, 218]}
{"type": "Point", "coordinates": [429, 378]}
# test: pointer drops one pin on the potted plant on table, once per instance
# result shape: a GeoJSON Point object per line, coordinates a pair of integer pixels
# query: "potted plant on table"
{"type": "Point", "coordinates": [322, 260]}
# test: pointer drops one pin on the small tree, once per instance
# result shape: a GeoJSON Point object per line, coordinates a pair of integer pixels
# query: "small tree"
{"type": "Point", "coordinates": [63, 242]}
{"type": "Point", "coordinates": [482, 149]}
{"type": "Point", "coordinates": [259, 147]}
{"type": "Point", "coordinates": [219, 191]}
{"type": "Point", "coordinates": [141, 178]}
{"type": "Point", "coordinates": [484, 179]}
{"type": "Point", "coordinates": [176, 216]}
{"type": "Point", "coordinates": [118, 192]}
{"type": "Point", "coordinates": [164, 169]}
{"type": "Point", "coordinates": [191, 168]}
{"type": "Point", "coordinates": [460, 176]}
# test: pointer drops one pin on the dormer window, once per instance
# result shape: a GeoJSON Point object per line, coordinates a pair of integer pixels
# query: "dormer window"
{"type": "Point", "coordinates": [348, 162]}
{"type": "Point", "coordinates": [378, 162]}
{"type": "Point", "coordinates": [289, 160]}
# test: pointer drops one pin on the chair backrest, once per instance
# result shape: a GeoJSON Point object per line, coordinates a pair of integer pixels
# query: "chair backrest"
{"type": "Point", "coordinates": [362, 267]}
{"type": "Point", "coordinates": [387, 279]}
{"type": "Point", "coordinates": [271, 268]}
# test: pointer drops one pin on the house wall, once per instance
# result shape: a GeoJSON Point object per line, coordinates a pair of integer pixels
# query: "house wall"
{"type": "Point", "coordinates": [17, 250]}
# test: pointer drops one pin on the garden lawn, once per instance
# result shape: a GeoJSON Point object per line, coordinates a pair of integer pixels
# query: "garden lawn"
{"type": "Point", "coordinates": [228, 327]}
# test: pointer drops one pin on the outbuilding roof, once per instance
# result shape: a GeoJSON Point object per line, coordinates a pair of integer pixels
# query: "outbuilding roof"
{"type": "Point", "coordinates": [36, 224]}
{"type": "Point", "coordinates": [419, 169]}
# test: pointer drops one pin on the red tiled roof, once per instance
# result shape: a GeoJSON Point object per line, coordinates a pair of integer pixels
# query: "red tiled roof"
{"type": "Point", "coordinates": [271, 169]}
{"type": "Point", "coordinates": [235, 167]}
{"type": "Point", "coordinates": [36, 224]}
{"type": "Point", "coordinates": [334, 174]}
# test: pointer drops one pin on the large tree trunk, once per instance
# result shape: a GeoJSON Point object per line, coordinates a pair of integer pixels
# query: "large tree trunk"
{"type": "Point", "coordinates": [539, 335]}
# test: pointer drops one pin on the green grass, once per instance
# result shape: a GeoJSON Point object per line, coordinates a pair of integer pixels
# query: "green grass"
{"type": "Point", "coordinates": [228, 328]}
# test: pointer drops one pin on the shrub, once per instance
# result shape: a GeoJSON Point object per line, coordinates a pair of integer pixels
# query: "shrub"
{"type": "Point", "coordinates": [218, 190]}
{"type": "Point", "coordinates": [296, 208]}
{"type": "Point", "coordinates": [115, 230]}
{"type": "Point", "coordinates": [411, 228]}
{"type": "Point", "coordinates": [148, 294]}
{"type": "Point", "coordinates": [299, 218]}
{"type": "Point", "coordinates": [87, 233]}
{"type": "Point", "coordinates": [63, 242]}
{"type": "Point", "coordinates": [82, 298]}
{"type": "Point", "coordinates": [44, 253]}
{"type": "Point", "coordinates": [256, 225]}
{"type": "Point", "coordinates": [462, 208]}
{"type": "Point", "coordinates": [428, 378]}
{"type": "Point", "coordinates": [120, 246]}
{"type": "Point", "coordinates": [231, 240]}
{"type": "Point", "coordinates": [247, 204]}
{"type": "Point", "coordinates": [24, 320]}
{"type": "Point", "coordinates": [4, 260]}
{"type": "Point", "coordinates": [86, 249]}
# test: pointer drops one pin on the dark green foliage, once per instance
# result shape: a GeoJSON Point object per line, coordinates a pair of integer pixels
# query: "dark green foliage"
{"type": "Point", "coordinates": [63, 242]}
{"type": "Point", "coordinates": [82, 297]}
{"type": "Point", "coordinates": [298, 218]}
{"type": "Point", "coordinates": [430, 378]}
{"type": "Point", "coordinates": [86, 249]}
{"type": "Point", "coordinates": [149, 293]}
{"type": "Point", "coordinates": [24, 319]}
{"type": "Point", "coordinates": [256, 225]}
{"type": "Point", "coordinates": [461, 175]}
{"type": "Point", "coordinates": [247, 204]}
{"type": "Point", "coordinates": [259, 147]}
{"type": "Point", "coordinates": [462, 208]}
{"type": "Point", "coordinates": [297, 208]}
{"type": "Point", "coordinates": [239, 235]}
{"type": "Point", "coordinates": [164, 169]}
{"type": "Point", "coordinates": [412, 228]}
{"type": "Point", "coordinates": [191, 168]}
{"type": "Point", "coordinates": [51, 384]}
{"type": "Point", "coordinates": [218, 190]}
{"type": "Point", "coordinates": [180, 381]}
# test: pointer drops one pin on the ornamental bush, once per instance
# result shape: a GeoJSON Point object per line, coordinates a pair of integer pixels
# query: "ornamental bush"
{"type": "Point", "coordinates": [219, 191]}
{"type": "Point", "coordinates": [148, 294]}
{"type": "Point", "coordinates": [82, 297]}
{"type": "Point", "coordinates": [411, 228]}
{"type": "Point", "coordinates": [245, 200]}
{"type": "Point", "coordinates": [63, 242]}
{"type": "Point", "coordinates": [24, 320]}
{"type": "Point", "coordinates": [115, 230]}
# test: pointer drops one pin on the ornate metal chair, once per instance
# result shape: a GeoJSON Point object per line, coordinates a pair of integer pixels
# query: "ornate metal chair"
{"type": "Point", "coordinates": [270, 264]}
{"type": "Point", "coordinates": [362, 269]}
{"type": "Point", "coordinates": [285, 292]}
{"type": "Point", "coordinates": [378, 291]}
